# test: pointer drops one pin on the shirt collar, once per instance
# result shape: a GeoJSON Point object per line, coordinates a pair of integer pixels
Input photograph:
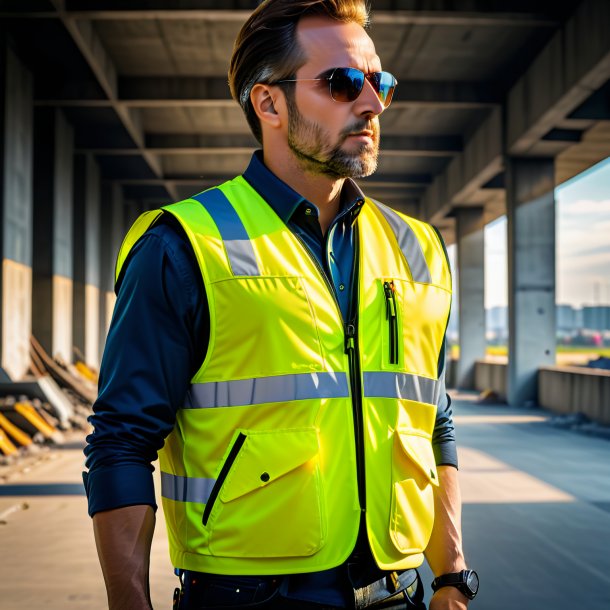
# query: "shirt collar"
{"type": "Point", "coordinates": [283, 199]}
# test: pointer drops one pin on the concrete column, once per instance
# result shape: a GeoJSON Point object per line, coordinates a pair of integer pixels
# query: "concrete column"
{"type": "Point", "coordinates": [16, 159]}
{"type": "Point", "coordinates": [471, 292]}
{"type": "Point", "coordinates": [113, 232]}
{"type": "Point", "coordinates": [52, 264]}
{"type": "Point", "coordinates": [87, 229]}
{"type": "Point", "coordinates": [131, 210]}
{"type": "Point", "coordinates": [530, 205]}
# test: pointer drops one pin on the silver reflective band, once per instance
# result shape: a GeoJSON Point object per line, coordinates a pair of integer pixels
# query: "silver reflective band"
{"type": "Point", "coordinates": [282, 388]}
{"type": "Point", "coordinates": [185, 489]}
{"type": "Point", "coordinates": [408, 243]}
{"type": "Point", "coordinates": [384, 384]}
{"type": "Point", "coordinates": [241, 256]}
{"type": "Point", "coordinates": [234, 235]}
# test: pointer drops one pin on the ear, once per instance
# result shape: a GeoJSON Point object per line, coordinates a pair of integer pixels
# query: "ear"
{"type": "Point", "coordinates": [267, 100]}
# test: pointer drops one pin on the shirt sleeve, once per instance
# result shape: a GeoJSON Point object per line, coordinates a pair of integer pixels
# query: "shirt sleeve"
{"type": "Point", "coordinates": [154, 346]}
{"type": "Point", "coordinates": [443, 437]}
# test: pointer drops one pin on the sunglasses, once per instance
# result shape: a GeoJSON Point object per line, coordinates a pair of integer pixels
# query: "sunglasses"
{"type": "Point", "coordinates": [346, 84]}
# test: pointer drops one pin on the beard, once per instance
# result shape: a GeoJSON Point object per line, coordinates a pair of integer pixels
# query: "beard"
{"type": "Point", "coordinates": [312, 147]}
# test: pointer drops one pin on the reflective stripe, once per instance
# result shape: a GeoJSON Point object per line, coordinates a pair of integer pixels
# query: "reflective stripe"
{"type": "Point", "coordinates": [282, 388]}
{"type": "Point", "coordinates": [385, 384]}
{"type": "Point", "coordinates": [185, 489]}
{"type": "Point", "coordinates": [408, 243]}
{"type": "Point", "coordinates": [234, 235]}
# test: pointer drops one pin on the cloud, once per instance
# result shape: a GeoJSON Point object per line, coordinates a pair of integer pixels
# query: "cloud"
{"type": "Point", "coordinates": [584, 207]}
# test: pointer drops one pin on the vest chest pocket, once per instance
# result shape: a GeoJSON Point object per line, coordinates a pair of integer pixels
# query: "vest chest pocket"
{"type": "Point", "coordinates": [415, 475]}
{"type": "Point", "coordinates": [269, 502]}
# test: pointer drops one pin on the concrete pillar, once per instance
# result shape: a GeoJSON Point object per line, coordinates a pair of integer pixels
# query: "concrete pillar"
{"type": "Point", "coordinates": [16, 159]}
{"type": "Point", "coordinates": [530, 205]}
{"type": "Point", "coordinates": [52, 263]}
{"type": "Point", "coordinates": [131, 210]}
{"type": "Point", "coordinates": [471, 291]}
{"type": "Point", "coordinates": [87, 229]}
{"type": "Point", "coordinates": [113, 232]}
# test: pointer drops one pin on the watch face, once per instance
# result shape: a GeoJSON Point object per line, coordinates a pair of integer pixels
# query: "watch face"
{"type": "Point", "coordinates": [472, 581]}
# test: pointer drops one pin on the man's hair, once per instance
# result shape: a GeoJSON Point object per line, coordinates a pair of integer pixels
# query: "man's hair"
{"type": "Point", "coordinates": [266, 49]}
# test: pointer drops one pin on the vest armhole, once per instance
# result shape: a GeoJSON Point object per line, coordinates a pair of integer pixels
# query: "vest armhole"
{"type": "Point", "coordinates": [442, 357]}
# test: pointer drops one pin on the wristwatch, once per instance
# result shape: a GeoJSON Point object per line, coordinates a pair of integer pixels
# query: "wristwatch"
{"type": "Point", "coordinates": [466, 581]}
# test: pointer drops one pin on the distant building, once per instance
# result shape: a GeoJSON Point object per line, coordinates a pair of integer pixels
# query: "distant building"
{"type": "Point", "coordinates": [566, 318]}
{"type": "Point", "coordinates": [596, 317]}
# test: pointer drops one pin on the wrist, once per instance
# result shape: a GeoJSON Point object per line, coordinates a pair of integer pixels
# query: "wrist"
{"type": "Point", "coordinates": [465, 582]}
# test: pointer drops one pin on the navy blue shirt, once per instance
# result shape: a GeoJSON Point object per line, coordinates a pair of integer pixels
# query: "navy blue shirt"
{"type": "Point", "coordinates": [159, 334]}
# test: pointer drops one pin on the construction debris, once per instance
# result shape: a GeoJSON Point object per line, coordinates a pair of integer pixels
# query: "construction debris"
{"type": "Point", "coordinates": [36, 411]}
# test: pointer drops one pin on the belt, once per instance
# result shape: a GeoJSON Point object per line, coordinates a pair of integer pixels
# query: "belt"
{"type": "Point", "coordinates": [339, 588]}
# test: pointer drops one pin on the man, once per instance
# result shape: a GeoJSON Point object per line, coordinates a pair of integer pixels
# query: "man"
{"type": "Point", "coordinates": [284, 337]}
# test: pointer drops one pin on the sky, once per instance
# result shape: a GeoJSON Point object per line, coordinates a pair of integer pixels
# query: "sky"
{"type": "Point", "coordinates": [583, 243]}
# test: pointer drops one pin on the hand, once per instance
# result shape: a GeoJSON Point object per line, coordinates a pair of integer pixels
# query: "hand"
{"type": "Point", "coordinates": [448, 598]}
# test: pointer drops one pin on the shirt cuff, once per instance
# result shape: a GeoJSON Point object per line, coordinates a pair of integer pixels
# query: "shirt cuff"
{"type": "Point", "coordinates": [445, 454]}
{"type": "Point", "coordinates": [118, 487]}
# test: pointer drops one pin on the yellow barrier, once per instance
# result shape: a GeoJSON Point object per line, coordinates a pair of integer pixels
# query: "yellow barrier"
{"type": "Point", "coordinates": [6, 447]}
{"type": "Point", "coordinates": [29, 412]}
{"type": "Point", "coordinates": [15, 433]}
{"type": "Point", "coordinates": [85, 371]}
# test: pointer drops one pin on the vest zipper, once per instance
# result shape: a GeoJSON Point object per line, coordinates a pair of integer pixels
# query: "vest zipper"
{"type": "Point", "coordinates": [353, 354]}
{"type": "Point", "coordinates": [392, 318]}
{"type": "Point", "coordinates": [224, 471]}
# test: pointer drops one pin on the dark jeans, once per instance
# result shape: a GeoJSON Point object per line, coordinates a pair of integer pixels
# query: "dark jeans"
{"type": "Point", "coordinates": [210, 592]}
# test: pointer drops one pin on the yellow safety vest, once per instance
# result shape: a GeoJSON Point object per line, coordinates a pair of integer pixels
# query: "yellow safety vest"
{"type": "Point", "coordinates": [298, 423]}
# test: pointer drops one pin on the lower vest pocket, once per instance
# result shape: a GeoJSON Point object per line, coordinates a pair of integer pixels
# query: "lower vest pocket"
{"type": "Point", "coordinates": [270, 503]}
{"type": "Point", "coordinates": [415, 475]}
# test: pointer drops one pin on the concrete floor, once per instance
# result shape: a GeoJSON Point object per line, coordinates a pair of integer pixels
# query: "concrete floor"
{"type": "Point", "coordinates": [536, 520]}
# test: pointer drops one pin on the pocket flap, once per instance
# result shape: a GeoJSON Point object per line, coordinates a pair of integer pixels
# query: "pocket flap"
{"type": "Point", "coordinates": [418, 448]}
{"type": "Point", "coordinates": [266, 456]}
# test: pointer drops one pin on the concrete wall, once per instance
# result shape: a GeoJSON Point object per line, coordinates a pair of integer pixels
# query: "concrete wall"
{"type": "Point", "coordinates": [575, 390]}
{"type": "Point", "coordinates": [561, 389]}
{"type": "Point", "coordinates": [16, 143]}
{"type": "Point", "coordinates": [491, 375]}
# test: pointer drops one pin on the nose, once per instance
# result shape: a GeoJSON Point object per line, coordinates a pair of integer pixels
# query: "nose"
{"type": "Point", "coordinates": [368, 102]}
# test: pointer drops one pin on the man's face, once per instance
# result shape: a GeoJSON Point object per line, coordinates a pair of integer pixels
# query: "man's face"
{"type": "Point", "coordinates": [337, 139]}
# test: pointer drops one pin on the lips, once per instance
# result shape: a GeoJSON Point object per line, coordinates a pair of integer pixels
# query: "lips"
{"type": "Point", "coordinates": [365, 133]}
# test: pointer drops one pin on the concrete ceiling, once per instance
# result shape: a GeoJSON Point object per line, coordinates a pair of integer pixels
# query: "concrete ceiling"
{"type": "Point", "coordinates": [144, 84]}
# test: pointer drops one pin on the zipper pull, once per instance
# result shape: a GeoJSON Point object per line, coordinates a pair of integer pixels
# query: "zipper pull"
{"type": "Point", "coordinates": [350, 336]}
{"type": "Point", "coordinates": [390, 302]}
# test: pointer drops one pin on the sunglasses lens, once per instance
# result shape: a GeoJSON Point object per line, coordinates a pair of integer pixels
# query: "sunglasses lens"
{"type": "Point", "coordinates": [384, 83]}
{"type": "Point", "coordinates": [346, 84]}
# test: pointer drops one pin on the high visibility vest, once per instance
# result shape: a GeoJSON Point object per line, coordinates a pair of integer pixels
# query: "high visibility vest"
{"type": "Point", "coordinates": [298, 422]}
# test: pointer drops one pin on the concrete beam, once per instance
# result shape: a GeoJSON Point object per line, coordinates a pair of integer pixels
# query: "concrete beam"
{"type": "Point", "coordinates": [471, 291]}
{"type": "Point", "coordinates": [147, 92]}
{"type": "Point", "coordinates": [213, 92]}
{"type": "Point", "coordinates": [89, 44]}
{"type": "Point", "coordinates": [574, 64]}
{"type": "Point", "coordinates": [497, 14]}
{"type": "Point", "coordinates": [530, 203]}
{"type": "Point", "coordinates": [408, 146]}
{"type": "Point", "coordinates": [481, 160]}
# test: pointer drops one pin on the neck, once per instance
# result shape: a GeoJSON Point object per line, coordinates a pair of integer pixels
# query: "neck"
{"type": "Point", "coordinates": [323, 191]}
